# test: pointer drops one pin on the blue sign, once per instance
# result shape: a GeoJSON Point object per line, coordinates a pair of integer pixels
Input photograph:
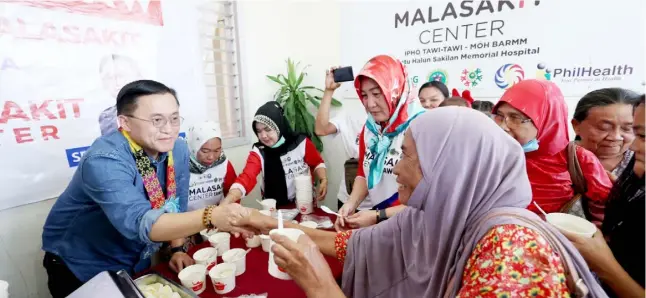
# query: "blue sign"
{"type": "Point", "coordinates": [74, 155]}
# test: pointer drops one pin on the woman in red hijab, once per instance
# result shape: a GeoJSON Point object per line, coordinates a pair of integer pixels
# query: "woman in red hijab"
{"type": "Point", "coordinates": [535, 114]}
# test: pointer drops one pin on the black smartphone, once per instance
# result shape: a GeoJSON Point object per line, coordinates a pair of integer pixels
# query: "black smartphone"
{"type": "Point", "coordinates": [343, 74]}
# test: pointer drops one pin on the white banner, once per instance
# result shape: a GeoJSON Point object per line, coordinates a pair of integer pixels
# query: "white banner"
{"type": "Point", "coordinates": [488, 46]}
{"type": "Point", "coordinates": [62, 64]}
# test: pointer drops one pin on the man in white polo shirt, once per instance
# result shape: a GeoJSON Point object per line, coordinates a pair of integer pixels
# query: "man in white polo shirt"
{"type": "Point", "coordinates": [347, 125]}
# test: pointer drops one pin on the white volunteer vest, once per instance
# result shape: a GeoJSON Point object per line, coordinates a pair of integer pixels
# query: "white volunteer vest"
{"type": "Point", "coordinates": [207, 188]}
{"type": "Point", "coordinates": [387, 186]}
{"type": "Point", "coordinates": [293, 164]}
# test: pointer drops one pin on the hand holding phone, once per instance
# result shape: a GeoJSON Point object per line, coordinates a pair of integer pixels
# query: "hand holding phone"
{"type": "Point", "coordinates": [343, 74]}
{"type": "Point", "coordinates": [330, 84]}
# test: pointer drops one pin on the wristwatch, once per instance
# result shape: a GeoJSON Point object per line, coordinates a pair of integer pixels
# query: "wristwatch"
{"type": "Point", "coordinates": [182, 248]}
{"type": "Point", "coordinates": [381, 216]}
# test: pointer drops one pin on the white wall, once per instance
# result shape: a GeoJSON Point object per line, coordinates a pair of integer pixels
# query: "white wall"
{"type": "Point", "coordinates": [270, 32]}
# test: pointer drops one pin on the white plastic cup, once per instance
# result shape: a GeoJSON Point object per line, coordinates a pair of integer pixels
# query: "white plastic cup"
{"type": "Point", "coordinates": [309, 224]}
{"type": "Point", "coordinates": [305, 206]}
{"type": "Point", "coordinates": [268, 204]}
{"type": "Point", "coordinates": [274, 270]}
{"type": "Point", "coordinates": [237, 256]}
{"type": "Point", "coordinates": [265, 241]}
{"type": "Point", "coordinates": [207, 256]}
{"type": "Point", "coordinates": [303, 182]}
{"type": "Point", "coordinates": [194, 277]}
{"type": "Point", "coordinates": [223, 277]}
{"type": "Point", "coordinates": [572, 224]}
{"type": "Point", "coordinates": [221, 241]}
{"type": "Point", "coordinates": [206, 234]}
{"type": "Point", "coordinates": [253, 241]}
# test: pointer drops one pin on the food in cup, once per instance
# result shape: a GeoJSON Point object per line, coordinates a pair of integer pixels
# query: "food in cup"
{"type": "Point", "coordinates": [194, 278]}
{"type": "Point", "coordinates": [291, 234]}
{"type": "Point", "coordinates": [207, 256]}
{"type": "Point", "coordinates": [221, 241]}
{"type": "Point", "coordinates": [266, 242]}
{"type": "Point", "coordinates": [572, 224]}
{"type": "Point", "coordinates": [268, 204]}
{"type": "Point", "coordinates": [253, 241]}
{"type": "Point", "coordinates": [223, 277]}
{"type": "Point", "coordinates": [236, 256]}
{"type": "Point", "coordinates": [206, 233]}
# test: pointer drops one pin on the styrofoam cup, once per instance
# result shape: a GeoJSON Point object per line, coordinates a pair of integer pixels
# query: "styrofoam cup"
{"type": "Point", "coordinates": [222, 241]}
{"type": "Point", "coordinates": [572, 224]}
{"type": "Point", "coordinates": [310, 224]}
{"type": "Point", "coordinates": [237, 256]}
{"type": "Point", "coordinates": [265, 241]}
{"type": "Point", "coordinates": [274, 270]}
{"type": "Point", "coordinates": [207, 233]}
{"type": "Point", "coordinates": [268, 204]}
{"type": "Point", "coordinates": [253, 241]}
{"type": "Point", "coordinates": [194, 277]}
{"type": "Point", "coordinates": [305, 206]}
{"type": "Point", "coordinates": [303, 182]}
{"type": "Point", "coordinates": [207, 256]}
{"type": "Point", "coordinates": [223, 277]}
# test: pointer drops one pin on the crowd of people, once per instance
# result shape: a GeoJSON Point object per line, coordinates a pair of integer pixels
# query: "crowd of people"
{"type": "Point", "coordinates": [447, 187]}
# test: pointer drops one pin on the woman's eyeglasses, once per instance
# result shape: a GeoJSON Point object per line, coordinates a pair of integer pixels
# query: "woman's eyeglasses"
{"type": "Point", "coordinates": [159, 121]}
{"type": "Point", "coordinates": [511, 120]}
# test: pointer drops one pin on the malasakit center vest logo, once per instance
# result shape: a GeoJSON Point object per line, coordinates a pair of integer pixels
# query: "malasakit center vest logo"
{"type": "Point", "coordinates": [508, 75]}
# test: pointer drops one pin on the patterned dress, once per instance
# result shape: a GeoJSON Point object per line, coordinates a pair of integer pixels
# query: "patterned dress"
{"type": "Point", "coordinates": [509, 261]}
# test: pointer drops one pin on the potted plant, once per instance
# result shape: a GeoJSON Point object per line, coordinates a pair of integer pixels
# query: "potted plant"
{"type": "Point", "coordinates": [294, 98]}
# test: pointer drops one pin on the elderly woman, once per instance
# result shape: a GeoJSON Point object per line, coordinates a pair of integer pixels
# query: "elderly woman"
{"type": "Point", "coordinates": [466, 231]}
{"type": "Point", "coordinates": [603, 122]}
{"type": "Point", "coordinates": [535, 114]}
{"type": "Point", "coordinates": [280, 155]}
{"type": "Point", "coordinates": [619, 263]}
{"type": "Point", "coordinates": [384, 90]}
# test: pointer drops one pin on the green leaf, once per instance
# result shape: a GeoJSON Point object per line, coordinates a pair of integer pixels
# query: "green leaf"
{"type": "Point", "coordinates": [336, 103]}
{"type": "Point", "coordinates": [314, 102]}
{"type": "Point", "coordinates": [300, 80]}
{"type": "Point", "coordinates": [291, 72]}
{"type": "Point", "coordinates": [309, 87]}
{"type": "Point", "coordinates": [275, 79]}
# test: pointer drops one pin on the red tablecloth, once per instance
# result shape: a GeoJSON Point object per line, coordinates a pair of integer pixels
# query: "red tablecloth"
{"type": "Point", "coordinates": [256, 279]}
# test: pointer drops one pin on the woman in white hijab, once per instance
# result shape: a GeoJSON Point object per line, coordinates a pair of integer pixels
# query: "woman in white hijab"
{"type": "Point", "coordinates": [211, 172]}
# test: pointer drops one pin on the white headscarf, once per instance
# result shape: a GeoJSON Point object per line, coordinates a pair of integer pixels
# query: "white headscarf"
{"type": "Point", "coordinates": [197, 136]}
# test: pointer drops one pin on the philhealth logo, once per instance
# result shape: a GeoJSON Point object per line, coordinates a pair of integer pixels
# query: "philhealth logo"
{"type": "Point", "coordinates": [542, 72]}
{"type": "Point", "coordinates": [439, 75]}
{"type": "Point", "coordinates": [509, 75]}
{"type": "Point", "coordinates": [471, 77]}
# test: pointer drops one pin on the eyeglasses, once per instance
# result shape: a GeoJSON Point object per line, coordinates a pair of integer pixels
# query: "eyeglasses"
{"type": "Point", "coordinates": [511, 120]}
{"type": "Point", "coordinates": [159, 121]}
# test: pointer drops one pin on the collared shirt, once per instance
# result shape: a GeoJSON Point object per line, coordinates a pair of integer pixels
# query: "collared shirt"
{"type": "Point", "coordinates": [102, 220]}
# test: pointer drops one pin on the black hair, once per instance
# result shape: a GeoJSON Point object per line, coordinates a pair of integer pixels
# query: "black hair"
{"type": "Point", "coordinates": [127, 98]}
{"type": "Point", "coordinates": [642, 99]}
{"type": "Point", "coordinates": [437, 84]}
{"type": "Point", "coordinates": [482, 106]}
{"type": "Point", "coordinates": [455, 101]}
{"type": "Point", "coordinates": [601, 98]}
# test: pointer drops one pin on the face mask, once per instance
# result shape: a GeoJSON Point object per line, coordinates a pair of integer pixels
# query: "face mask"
{"type": "Point", "coordinates": [280, 142]}
{"type": "Point", "coordinates": [531, 146]}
